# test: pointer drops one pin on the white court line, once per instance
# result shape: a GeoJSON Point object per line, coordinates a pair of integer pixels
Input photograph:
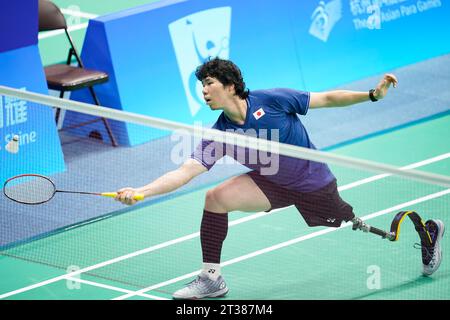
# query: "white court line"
{"type": "Point", "coordinates": [54, 33]}
{"type": "Point", "coordinates": [381, 176]}
{"type": "Point", "coordinates": [290, 242]}
{"type": "Point", "coordinates": [49, 34]}
{"type": "Point", "coordinates": [113, 288]}
{"type": "Point", "coordinates": [178, 240]}
{"type": "Point", "coordinates": [81, 14]}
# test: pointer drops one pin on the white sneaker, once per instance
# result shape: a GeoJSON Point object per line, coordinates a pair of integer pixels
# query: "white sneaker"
{"type": "Point", "coordinates": [202, 287]}
{"type": "Point", "coordinates": [432, 256]}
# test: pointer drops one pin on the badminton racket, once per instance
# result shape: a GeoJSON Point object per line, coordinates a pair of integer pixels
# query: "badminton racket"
{"type": "Point", "coordinates": [38, 189]}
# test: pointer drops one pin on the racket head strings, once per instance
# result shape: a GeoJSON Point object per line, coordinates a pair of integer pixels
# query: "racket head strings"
{"type": "Point", "coordinates": [29, 189]}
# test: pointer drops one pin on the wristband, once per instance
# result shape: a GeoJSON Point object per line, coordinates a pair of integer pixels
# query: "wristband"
{"type": "Point", "coordinates": [371, 96]}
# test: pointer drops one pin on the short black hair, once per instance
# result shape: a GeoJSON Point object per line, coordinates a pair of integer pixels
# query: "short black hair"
{"type": "Point", "coordinates": [226, 72]}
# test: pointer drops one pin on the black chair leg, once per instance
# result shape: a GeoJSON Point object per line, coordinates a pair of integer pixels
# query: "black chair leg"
{"type": "Point", "coordinates": [108, 129]}
{"type": "Point", "coordinates": [106, 123]}
{"type": "Point", "coordinates": [58, 110]}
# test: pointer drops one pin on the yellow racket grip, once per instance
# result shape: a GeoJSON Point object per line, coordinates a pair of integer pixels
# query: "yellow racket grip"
{"type": "Point", "coordinates": [137, 197]}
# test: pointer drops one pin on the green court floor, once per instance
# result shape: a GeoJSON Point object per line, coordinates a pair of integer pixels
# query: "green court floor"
{"type": "Point", "coordinates": [149, 252]}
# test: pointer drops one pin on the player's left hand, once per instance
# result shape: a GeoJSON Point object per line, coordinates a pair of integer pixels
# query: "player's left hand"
{"type": "Point", "coordinates": [384, 84]}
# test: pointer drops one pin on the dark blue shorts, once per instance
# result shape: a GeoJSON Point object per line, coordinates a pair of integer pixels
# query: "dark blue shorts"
{"type": "Point", "coordinates": [323, 207]}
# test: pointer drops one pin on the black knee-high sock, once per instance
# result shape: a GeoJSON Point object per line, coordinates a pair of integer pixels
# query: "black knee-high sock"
{"type": "Point", "coordinates": [213, 231]}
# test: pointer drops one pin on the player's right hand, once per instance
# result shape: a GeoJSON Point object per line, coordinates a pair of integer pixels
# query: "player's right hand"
{"type": "Point", "coordinates": [126, 195]}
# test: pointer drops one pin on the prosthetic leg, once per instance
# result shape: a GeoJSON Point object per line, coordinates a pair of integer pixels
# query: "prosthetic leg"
{"type": "Point", "coordinates": [394, 233]}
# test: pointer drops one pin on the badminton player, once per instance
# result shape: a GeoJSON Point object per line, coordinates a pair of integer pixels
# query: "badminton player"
{"type": "Point", "coordinates": [308, 185]}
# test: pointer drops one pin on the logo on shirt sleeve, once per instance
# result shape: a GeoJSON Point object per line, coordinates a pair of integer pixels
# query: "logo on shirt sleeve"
{"type": "Point", "coordinates": [258, 113]}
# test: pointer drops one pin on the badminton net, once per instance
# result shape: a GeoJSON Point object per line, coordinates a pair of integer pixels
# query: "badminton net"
{"type": "Point", "coordinates": [142, 245]}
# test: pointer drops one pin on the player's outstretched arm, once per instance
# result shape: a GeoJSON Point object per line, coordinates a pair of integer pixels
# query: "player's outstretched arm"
{"type": "Point", "coordinates": [164, 184]}
{"type": "Point", "coordinates": [342, 98]}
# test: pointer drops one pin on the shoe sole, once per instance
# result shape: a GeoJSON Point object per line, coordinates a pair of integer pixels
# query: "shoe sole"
{"type": "Point", "coordinates": [441, 227]}
{"type": "Point", "coordinates": [217, 294]}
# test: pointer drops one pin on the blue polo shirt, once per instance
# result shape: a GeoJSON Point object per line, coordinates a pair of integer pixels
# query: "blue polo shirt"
{"type": "Point", "coordinates": [272, 115]}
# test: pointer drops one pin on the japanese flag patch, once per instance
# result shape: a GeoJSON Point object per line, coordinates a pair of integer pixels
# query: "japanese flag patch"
{"type": "Point", "coordinates": [258, 113]}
